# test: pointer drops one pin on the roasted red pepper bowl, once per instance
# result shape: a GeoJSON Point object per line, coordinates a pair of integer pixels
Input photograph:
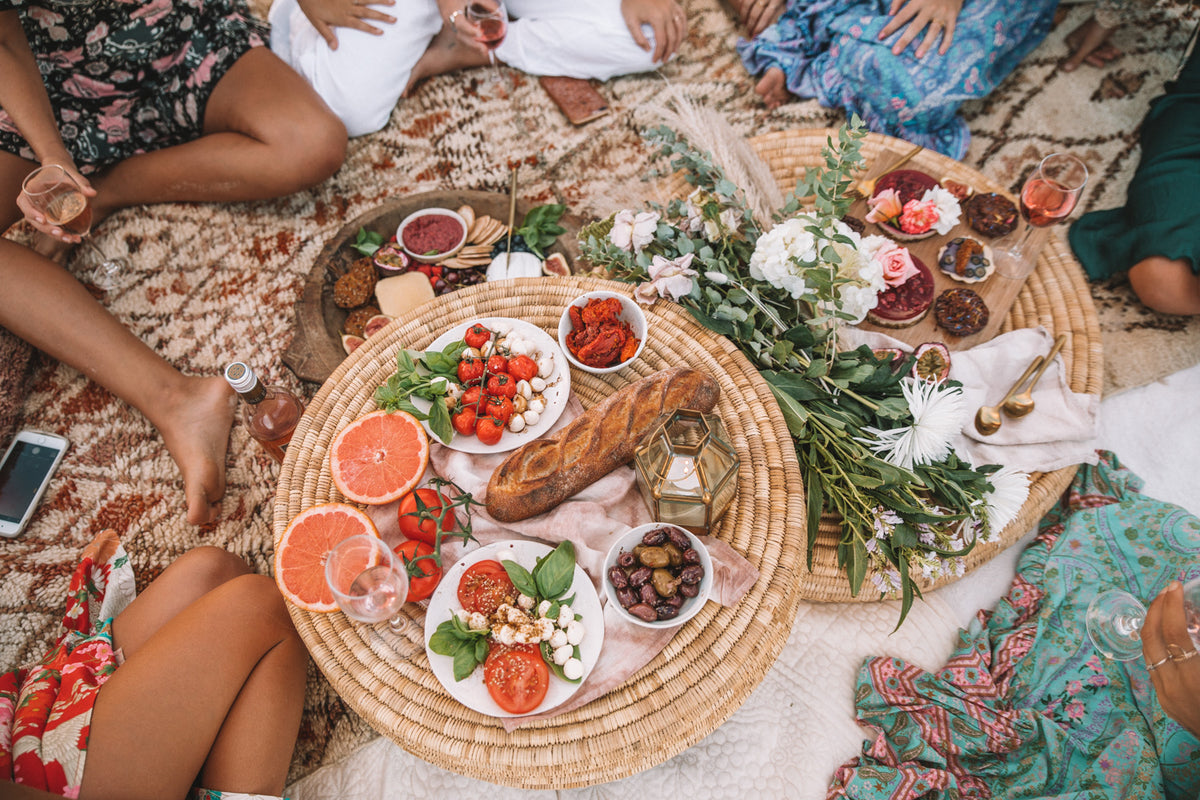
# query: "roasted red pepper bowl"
{"type": "Point", "coordinates": [602, 332]}
{"type": "Point", "coordinates": [432, 234]}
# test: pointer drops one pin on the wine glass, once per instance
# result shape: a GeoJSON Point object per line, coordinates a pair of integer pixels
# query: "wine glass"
{"type": "Point", "coordinates": [368, 581]}
{"type": "Point", "coordinates": [490, 18]}
{"type": "Point", "coordinates": [53, 192]}
{"type": "Point", "coordinates": [1115, 618]}
{"type": "Point", "coordinates": [1047, 198]}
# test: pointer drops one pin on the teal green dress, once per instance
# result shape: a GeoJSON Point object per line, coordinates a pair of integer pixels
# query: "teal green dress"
{"type": "Point", "coordinates": [1161, 216]}
{"type": "Point", "coordinates": [1026, 707]}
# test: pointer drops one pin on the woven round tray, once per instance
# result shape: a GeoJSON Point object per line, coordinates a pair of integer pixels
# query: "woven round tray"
{"type": "Point", "coordinates": [707, 670]}
{"type": "Point", "coordinates": [1055, 296]}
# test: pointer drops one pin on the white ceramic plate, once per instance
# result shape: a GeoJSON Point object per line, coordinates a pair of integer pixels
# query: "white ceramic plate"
{"type": "Point", "coordinates": [558, 387]}
{"type": "Point", "coordinates": [471, 691]}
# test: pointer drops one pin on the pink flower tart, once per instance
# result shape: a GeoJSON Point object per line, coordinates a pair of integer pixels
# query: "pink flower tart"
{"type": "Point", "coordinates": [898, 207]}
{"type": "Point", "coordinates": [906, 304]}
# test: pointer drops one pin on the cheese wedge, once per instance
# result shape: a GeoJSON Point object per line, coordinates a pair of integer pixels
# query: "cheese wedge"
{"type": "Point", "coordinates": [402, 293]}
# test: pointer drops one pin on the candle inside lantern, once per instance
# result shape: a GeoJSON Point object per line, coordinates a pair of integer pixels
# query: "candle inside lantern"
{"type": "Point", "coordinates": [683, 474]}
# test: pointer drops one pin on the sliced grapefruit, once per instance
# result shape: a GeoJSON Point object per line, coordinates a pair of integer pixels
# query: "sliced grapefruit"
{"type": "Point", "coordinates": [302, 550]}
{"type": "Point", "coordinates": [380, 457]}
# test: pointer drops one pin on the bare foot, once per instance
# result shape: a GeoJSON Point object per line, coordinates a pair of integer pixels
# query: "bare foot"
{"type": "Point", "coordinates": [1089, 45]}
{"type": "Point", "coordinates": [196, 431]}
{"type": "Point", "coordinates": [773, 88]}
{"type": "Point", "coordinates": [444, 54]}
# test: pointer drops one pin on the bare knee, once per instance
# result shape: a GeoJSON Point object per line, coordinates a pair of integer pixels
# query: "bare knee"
{"type": "Point", "coordinates": [209, 567]}
{"type": "Point", "coordinates": [314, 147]}
{"type": "Point", "coordinates": [1165, 285]}
{"type": "Point", "coordinates": [258, 599]}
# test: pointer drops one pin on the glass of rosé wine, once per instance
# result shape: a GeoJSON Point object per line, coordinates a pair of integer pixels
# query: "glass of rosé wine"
{"type": "Point", "coordinates": [1048, 197]}
{"type": "Point", "coordinates": [370, 584]}
{"type": "Point", "coordinates": [490, 19]}
{"type": "Point", "coordinates": [59, 198]}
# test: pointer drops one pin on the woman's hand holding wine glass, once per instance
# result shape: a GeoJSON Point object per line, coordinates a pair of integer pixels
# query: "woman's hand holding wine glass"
{"type": "Point", "coordinates": [1170, 637]}
{"type": "Point", "coordinates": [489, 20]}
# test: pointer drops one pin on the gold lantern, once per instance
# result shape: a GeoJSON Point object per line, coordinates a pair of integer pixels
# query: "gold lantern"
{"type": "Point", "coordinates": [687, 470]}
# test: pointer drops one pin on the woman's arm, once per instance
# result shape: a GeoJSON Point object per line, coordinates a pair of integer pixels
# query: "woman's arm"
{"type": "Point", "coordinates": [1165, 642]}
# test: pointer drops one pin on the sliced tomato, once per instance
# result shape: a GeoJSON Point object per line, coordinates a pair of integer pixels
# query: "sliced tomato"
{"type": "Point", "coordinates": [484, 586]}
{"type": "Point", "coordinates": [421, 524]}
{"type": "Point", "coordinates": [517, 678]}
{"type": "Point", "coordinates": [423, 572]}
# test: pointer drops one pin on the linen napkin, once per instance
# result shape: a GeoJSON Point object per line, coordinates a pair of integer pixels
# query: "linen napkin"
{"type": "Point", "coordinates": [1059, 432]}
{"type": "Point", "coordinates": [593, 519]}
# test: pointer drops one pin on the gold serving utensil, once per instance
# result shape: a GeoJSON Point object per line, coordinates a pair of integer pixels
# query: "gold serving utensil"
{"type": "Point", "coordinates": [512, 211]}
{"type": "Point", "coordinates": [861, 190]}
{"type": "Point", "coordinates": [1021, 404]}
{"type": "Point", "coordinates": [987, 419]}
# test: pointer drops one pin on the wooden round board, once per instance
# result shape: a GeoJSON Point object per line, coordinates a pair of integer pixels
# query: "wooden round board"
{"type": "Point", "coordinates": [316, 350]}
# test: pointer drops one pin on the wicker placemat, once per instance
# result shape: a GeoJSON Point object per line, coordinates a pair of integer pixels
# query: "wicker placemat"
{"type": "Point", "coordinates": [692, 686]}
{"type": "Point", "coordinates": [1056, 296]}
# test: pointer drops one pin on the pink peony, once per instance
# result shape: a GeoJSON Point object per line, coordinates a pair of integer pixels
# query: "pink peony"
{"type": "Point", "coordinates": [897, 263]}
{"type": "Point", "coordinates": [919, 216]}
{"type": "Point", "coordinates": [885, 206]}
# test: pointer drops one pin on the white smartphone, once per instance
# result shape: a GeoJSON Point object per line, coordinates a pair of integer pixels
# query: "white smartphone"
{"type": "Point", "coordinates": [25, 472]}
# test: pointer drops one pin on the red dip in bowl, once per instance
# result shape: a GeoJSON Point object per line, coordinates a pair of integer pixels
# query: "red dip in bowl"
{"type": "Point", "coordinates": [432, 234]}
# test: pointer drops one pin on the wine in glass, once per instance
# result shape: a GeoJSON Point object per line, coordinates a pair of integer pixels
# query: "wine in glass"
{"type": "Point", "coordinates": [1048, 197]}
{"type": "Point", "coordinates": [1115, 618]}
{"type": "Point", "coordinates": [490, 18]}
{"type": "Point", "coordinates": [368, 581]}
{"type": "Point", "coordinates": [52, 191]}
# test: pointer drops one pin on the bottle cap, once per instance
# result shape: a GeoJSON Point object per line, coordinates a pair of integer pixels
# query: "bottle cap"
{"type": "Point", "coordinates": [240, 377]}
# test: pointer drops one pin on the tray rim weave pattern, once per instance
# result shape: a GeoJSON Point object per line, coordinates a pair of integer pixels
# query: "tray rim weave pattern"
{"type": "Point", "coordinates": [700, 678]}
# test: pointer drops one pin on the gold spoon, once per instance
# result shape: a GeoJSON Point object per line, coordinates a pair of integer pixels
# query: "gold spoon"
{"type": "Point", "coordinates": [866, 187]}
{"type": "Point", "coordinates": [987, 419]}
{"type": "Point", "coordinates": [1021, 404]}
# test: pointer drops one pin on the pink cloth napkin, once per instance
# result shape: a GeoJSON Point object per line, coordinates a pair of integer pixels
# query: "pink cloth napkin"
{"type": "Point", "coordinates": [592, 520]}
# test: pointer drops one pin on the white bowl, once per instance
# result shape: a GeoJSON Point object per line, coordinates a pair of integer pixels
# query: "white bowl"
{"type": "Point", "coordinates": [691, 606]}
{"type": "Point", "coordinates": [630, 312]}
{"type": "Point", "coordinates": [425, 212]}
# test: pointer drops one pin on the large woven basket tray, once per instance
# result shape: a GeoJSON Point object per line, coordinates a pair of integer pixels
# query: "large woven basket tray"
{"type": "Point", "coordinates": [707, 670]}
{"type": "Point", "coordinates": [1055, 296]}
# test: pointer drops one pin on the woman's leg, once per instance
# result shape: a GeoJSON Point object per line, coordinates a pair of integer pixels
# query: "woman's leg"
{"type": "Point", "coordinates": [43, 304]}
{"type": "Point", "coordinates": [1167, 286]}
{"type": "Point", "coordinates": [212, 696]}
{"type": "Point", "coordinates": [266, 134]}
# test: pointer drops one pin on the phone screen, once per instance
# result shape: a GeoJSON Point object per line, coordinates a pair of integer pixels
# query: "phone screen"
{"type": "Point", "coordinates": [21, 475]}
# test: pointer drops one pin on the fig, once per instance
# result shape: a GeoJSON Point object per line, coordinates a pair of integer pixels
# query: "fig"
{"type": "Point", "coordinates": [375, 324]}
{"type": "Point", "coordinates": [350, 342]}
{"type": "Point", "coordinates": [932, 362]}
{"type": "Point", "coordinates": [556, 265]}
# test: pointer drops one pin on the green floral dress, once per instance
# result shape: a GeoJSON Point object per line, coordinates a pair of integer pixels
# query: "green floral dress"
{"type": "Point", "coordinates": [1026, 707]}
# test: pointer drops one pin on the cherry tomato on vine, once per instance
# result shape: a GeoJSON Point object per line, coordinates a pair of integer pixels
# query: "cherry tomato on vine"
{"type": "Point", "coordinates": [471, 397]}
{"type": "Point", "coordinates": [502, 386]}
{"type": "Point", "coordinates": [499, 407]}
{"type": "Point", "coordinates": [489, 430]}
{"type": "Point", "coordinates": [421, 524]}
{"type": "Point", "coordinates": [516, 677]}
{"type": "Point", "coordinates": [497, 365]}
{"type": "Point", "coordinates": [464, 421]}
{"type": "Point", "coordinates": [423, 572]}
{"type": "Point", "coordinates": [484, 586]}
{"type": "Point", "coordinates": [470, 370]}
{"type": "Point", "coordinates": [522, 368]}
{"type": "Point", "coordinates": [477, 336]}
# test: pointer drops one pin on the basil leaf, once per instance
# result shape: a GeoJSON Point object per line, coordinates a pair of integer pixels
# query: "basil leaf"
{"type": "Point", "coordinates": [520, 577]}
{"type": "Point", "coordinates": [444, 643]}
{"type": "Point", "coordinates": [481, 649]}
{"type": "Point", "coordinates": [555, 573]}
{"type": "Point", "coordinates": [465, 661]}
{"type": "Point", "coordinates": [439, 421]}
{"type": "Point", "coordinates": [548, 657]}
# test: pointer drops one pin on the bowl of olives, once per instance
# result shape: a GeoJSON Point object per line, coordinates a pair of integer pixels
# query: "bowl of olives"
{"type": "Point", "coordinates": [658, 575]}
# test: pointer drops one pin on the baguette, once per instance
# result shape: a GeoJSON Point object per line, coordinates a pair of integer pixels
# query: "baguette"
{"type": "Point", "coordinates": [540, 475]}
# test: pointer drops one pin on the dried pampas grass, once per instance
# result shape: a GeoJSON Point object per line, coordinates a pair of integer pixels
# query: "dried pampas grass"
{"type": "Point", "coordinates": [708, 131]}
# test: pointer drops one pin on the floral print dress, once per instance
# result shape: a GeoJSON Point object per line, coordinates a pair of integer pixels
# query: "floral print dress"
{"type": "Point", "coordinates": [46, 709]}
{"type": "Point", "coordinates": [129, 76]}
{"type": "Point", "coordinates": [1027, 707]}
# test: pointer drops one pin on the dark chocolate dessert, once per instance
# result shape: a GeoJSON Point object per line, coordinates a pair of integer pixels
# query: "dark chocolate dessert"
{"type": "Point", "coordinates": [961, 312]}
{"type": "Point", "coordinates": [991, 214]}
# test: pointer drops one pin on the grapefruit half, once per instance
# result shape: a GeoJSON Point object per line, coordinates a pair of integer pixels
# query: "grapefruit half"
{"type": "Point", "coordinates": [380, 457]}
{"type": "Point", "coordinates": [302, 550]}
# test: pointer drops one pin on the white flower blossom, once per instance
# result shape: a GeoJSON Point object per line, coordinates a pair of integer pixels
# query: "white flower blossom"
{"type": "Point", "coordinates": [938, 414]}
{"type": "Point", "coordinates": [1010, 487]}
{"type": "Point", "coordinates": [632, 232]}
{"type": "Point", "coordinates": [670, 279]}
{"type": "Point", "coordinates": [947, 207]}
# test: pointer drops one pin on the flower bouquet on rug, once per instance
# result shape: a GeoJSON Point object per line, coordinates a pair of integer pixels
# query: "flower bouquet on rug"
{"type": "Point", "coordinates": [873, 441]}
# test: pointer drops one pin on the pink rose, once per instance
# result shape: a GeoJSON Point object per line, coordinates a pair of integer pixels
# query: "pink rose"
{"type": "Point", "coordinates": [884, 206]}
{"type": "Point", "coordinates": [919, 216]}
{"type": "Point", "coordinates": [897, 263]}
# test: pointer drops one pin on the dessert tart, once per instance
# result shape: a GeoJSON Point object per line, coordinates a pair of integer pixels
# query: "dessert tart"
{"type": "Point", "coordinates": [965, 259]}
{"type": "Point", "coordinates": [961, 312]}
{"type": "Point", "coordinates": [906, 304]}
{"type": "Point", "coordinates": [991, 214]}
{"type": "Point", "coordinates": [910, 184]}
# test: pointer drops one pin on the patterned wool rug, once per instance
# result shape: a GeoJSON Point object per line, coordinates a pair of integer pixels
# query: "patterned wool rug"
{"type": "Point", "coordinates": [218, 283]}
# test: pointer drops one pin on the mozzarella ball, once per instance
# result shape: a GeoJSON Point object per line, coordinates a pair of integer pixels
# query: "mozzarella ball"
{"type": "Point", "coordinates": [531, 418]}
{"type": "Point", "coordinates": [545, 366]}
{"type": "Point", "coordinates": [525, 601]}
{"type": "Point", "coordinates": [537, 384]}
{"type": "Point", "coordinates": [558, 638]}
{"type": "Point", "coordinates": [573, 669]}
{"type": "Point", "coordinates": [524, 389]}
{"type": "Point", "coordinates": [566, 615]}
{"type": "Point", "coordinates": [543, 607]}
{"type": "Point", "coordinates": [575, 632]}
{"type": "Point", "coordinates": [563, 654]}
{"type": "Point", "coordinates": [537, 405]}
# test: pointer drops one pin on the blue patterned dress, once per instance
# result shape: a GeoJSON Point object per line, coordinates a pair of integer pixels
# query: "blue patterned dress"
{"type": "Point", "coordinates": [1026, 707]}
{"type": "Point", "coordinates": [830, 50]}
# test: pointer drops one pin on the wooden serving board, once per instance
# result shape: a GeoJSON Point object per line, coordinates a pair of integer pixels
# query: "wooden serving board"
{"type": "Point", "coordinates": [997, 291]}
